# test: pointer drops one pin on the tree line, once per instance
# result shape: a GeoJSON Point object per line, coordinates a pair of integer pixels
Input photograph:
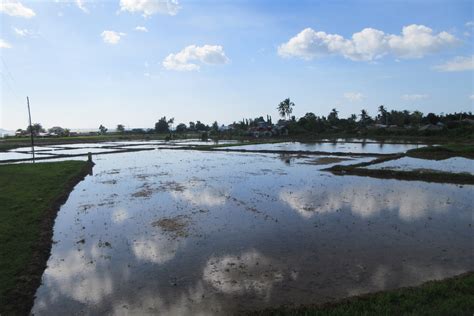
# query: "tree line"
{"type": "Point", "coordinates": [384, 121]}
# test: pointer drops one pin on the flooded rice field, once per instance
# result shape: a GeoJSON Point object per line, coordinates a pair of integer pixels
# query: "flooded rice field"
{"type": "Point", "coordinates": [453, 165]}
{"type": "Point", "coordinates": [352, 147]}
{"type": "Point", "coordinates": [23, 153]}
{"type": "Point", "coordinates": [213, 233]}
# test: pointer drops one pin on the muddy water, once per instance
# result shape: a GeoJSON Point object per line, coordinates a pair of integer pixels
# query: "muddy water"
{"type": "Point", "coordinates": [190, 233]}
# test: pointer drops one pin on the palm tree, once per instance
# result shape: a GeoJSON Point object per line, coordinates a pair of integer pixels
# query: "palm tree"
{"type": "Point", "coordinates": [383, 116]}
{"type": "Point", "coordinates": [333, 116]}
{"type": "Point", "coordinates": [285, 108]}
{"type": "Point", "coordinates": [364, 117]}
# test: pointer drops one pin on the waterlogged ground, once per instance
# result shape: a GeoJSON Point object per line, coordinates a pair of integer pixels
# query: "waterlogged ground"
{"type": "Point", "coordinates": [345, 147]}
{"type": "Point", "coordinates": [200, 233]}
{"type": "Point", "coordinates": [23, 153]}
{"type": "Point", "coordinates": [453, 165]}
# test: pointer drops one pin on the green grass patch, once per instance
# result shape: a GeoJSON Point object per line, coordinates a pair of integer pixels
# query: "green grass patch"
{"type": "Point", "coordinates": [27, 192]}
{"type": "Point", "coordinates": [443, 152]}
{"type": "Point", "coordinates": [454, 296]}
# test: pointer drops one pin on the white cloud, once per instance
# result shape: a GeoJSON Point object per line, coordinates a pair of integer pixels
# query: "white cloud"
{"type": "Point", "coordinates": [15, 8]}
{"type": "Point", "coordinates": [80, 5]}
{"type": "Point", "coordinates": [471, 97]}
{"type": "Point", "coordinates": [112, 37]}
{"type": "Point", "coordinates": [4, 44]}
{"type": "Point", "coordinates": [207, 54]}
{"type": "Point", "coordinates": [414, 97]}
{"type": "Point", "coordinates": [141, 29]}
{"type": "Point", "coordinates": [459, 63]}
{"type": "Point", "coordinates": [353, 96]}
{"type": "Point", "coordinates": [23, 32]}
{"type": "Point", "coordinates": [469, 24]}
{"type": "Point", "coordinates": [369, 44]}
{"type": "Point", "coordinates": [150, 7]}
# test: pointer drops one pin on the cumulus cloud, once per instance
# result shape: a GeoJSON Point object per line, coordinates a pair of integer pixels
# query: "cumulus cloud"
{"type": "Point", "coordinates": [4, 44]}
{"type": "Point", "coordinates": [111, 37]}
{"type": "Point", "coordinates": [15, 8]}
{"type": "Point", "coordinates": [353, 96]}
{"type": "Point", "coordinates": [23, 32]}
{"type": "Point", "coordinates": [141, 29]}
{"type": "Point", "coordinates": [369, 44]}
{"type": "Point", "coordinates": [471, 97]}
{"type": "Point", "coordinates": [469, 24]}
{"type": "Point", "coordinates": [150, 7]}
{"type": "Point", "coordinates": [459, 63]}
{"type": "Point", "coordinates": [189, 57]}
{"type": "Point", "coordinates": [80, 5]}
{"type": "Point", "coordinates": [414, 97]}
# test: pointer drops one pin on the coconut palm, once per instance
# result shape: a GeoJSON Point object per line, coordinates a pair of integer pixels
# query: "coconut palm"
{"type": "Point", "coordinates": [285, 108]}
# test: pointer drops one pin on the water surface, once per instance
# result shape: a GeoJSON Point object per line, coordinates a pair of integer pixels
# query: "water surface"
{"type": "Point", "coordinates": [376, 148]}
{"type": "Point", "coordinates": [455, 164]}
{"type": "Point", "coordinates": [258, 230]}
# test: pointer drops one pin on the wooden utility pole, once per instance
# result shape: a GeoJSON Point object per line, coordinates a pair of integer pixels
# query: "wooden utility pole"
{"type": "Point", "coordinates": [31, 130]}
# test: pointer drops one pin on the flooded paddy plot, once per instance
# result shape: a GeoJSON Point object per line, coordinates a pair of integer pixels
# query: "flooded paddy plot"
{"type": "Point", "coordinates": [216, 233]}
{"type": "Point", "coordinates": [453, 165]}
{"type": "Point", "coordinates": [374, 148]}
{"type": "Point", "coordinates": [13, 155]}
{"type": "Point", "coordinates": [37, 149]}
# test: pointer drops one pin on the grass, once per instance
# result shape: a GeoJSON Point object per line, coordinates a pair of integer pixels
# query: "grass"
{"type": "Point", "coordinates": [453, 296]}
{"type": "Point", "coordinates": [443, 152]}
{"type": "Point", "coordinates": [27, 193]}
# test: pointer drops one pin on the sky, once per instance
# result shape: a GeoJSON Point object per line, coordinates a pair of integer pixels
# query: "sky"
{"type": "Point", "coordinates": [85, 63]}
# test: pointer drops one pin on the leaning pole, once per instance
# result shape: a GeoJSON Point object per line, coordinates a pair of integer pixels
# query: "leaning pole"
{"type": "Point", "coordinates": [31, 130]}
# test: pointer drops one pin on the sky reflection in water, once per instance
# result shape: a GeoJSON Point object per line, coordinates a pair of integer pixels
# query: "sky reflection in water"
{"type": "Point", "coordinates": [259, 231]}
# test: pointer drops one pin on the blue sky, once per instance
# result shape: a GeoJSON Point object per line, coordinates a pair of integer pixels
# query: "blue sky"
{"type": "Point", "coordinates": [85, 63]}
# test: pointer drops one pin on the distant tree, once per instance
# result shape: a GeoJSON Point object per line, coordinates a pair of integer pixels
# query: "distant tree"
{"type": "Point", "coordinates": [285, 108]}
{"type": "Point", "coordinates": [102, 129]}
{"type": "Point", "coordinates": [163, 125]}
{"type": "Point", "coordinates": [353, 117]}
{"type": "Point", "coordinates": [431, 118]}
{"type": "Point", "coordinates": [383, 115]}
{"type": "Point", "coordinates": [415, 118]}
{"type": "Point", "coordinates": [181, 128]}
{"type": "Point", "coordinates": [138, 131]}
{"type": "Point", "coordinates": [192, 126]}
{"type": "Point", "coordinates": [36, 128]}
{"type": "Point", "coordinates": [269, 119]}
{"type": "Point", "coordinates": [200, 126]}
{"type": "Point", "coordinates": [215, 126]}
{"type": "Point", "coordinates": [120, 128]}
{"type": "Point", "coordinates": [57, 130]}
{"type": "Point", "coordinates": [365, 118]}
{"type": "Point", "coordinates": [397, 118]}
{"type": "Point", "coordinates": [333, 117]}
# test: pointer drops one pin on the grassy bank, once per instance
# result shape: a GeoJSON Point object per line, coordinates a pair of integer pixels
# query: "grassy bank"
{"type": "Point", "coordinates": [30, 195]}
{"type": "Point", "coordinates": [443, 152]}
{"type": "Point", "coordinates": [453, 296]}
